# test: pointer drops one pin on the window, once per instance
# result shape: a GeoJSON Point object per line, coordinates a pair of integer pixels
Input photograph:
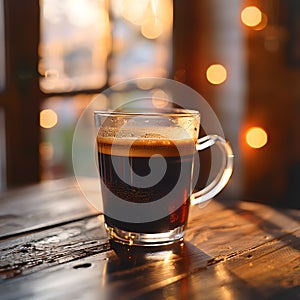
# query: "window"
{"type": "Point", "coordinates": [85, 47]}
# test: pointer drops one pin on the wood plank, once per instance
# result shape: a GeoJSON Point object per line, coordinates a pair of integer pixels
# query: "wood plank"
{"type": "Point", "coordinates": [217, 234]}
{"type": "Point", "coordinates": [268, 278]}
{"type": "Point", "coordinates": [272, 268]}
{"type": "Point", "coordinates": [228, 230]}
{"type": "Point", "coordinates": [102, 277]}
{"type": "Point", "coordinates": [221, 234]}
{"type": "Point", "coordinates": [43, 205]}
{"type": "Point", "coordinates": [154, 275]}
{"type": "Point", "coordinates": [37, 251]}
{"type": "Point", "coordinates": [64, 257]}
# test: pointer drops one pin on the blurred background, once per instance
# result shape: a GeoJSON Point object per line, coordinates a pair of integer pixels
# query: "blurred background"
{"type": "Point", "coordinates": [242, 56]}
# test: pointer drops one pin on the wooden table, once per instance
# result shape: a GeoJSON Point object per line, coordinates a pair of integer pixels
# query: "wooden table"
{"type": "Point", "coordinates": [54, 246]}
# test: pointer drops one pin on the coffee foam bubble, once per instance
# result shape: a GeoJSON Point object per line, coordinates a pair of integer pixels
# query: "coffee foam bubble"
{"type": "Point", "coordinates": [145, 142]}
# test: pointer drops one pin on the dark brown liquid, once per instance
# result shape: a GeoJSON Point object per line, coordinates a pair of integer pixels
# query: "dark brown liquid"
{"type": "Point", "coordinates": [140, 152]}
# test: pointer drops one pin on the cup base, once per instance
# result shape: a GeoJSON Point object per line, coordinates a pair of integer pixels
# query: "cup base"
{"type": "Point", "coordinates": [145, 239]}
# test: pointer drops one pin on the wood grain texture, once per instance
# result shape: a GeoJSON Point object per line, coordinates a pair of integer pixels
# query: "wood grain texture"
{"type": "Point", "coordinates": [43, 205]}
{"type": "Point", "coordinates": [180, 274]}
{"type": "Point", "coordinates": [231, 251]}
{"type": "Point", "coordinates": [41, 250]}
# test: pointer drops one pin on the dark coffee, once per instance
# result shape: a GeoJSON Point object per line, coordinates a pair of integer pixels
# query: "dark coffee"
{"type": "Point", "coordinates": [179, 158]}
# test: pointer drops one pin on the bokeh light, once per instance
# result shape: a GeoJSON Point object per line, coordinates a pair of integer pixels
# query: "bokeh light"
{"type": "Point", "coordinates": [160, 98]}
{"type": "Point", "coordinates": [256, 137]}
{"type": "Point", "coordinates": [151, 28]}
{"type": "Point", "coordinates": [216, 74]}
{"type": "Point", "coordinates": [48, 118]}
{"type": "Point", "coordinates": [251, 16]}
{"type": "Point", "coordinates": [263, 23]}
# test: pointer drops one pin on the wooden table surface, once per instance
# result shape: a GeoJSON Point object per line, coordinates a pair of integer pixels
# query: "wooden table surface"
{"type": "Point", "coordinates": [53, 246]}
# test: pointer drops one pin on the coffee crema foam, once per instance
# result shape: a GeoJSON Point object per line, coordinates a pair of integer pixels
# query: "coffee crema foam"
{"type": "Point", "coordinates": [145, 144]}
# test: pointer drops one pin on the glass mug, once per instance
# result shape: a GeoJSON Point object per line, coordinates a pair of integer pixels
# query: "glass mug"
{"type": "Point", "coordinates": [146, 165]}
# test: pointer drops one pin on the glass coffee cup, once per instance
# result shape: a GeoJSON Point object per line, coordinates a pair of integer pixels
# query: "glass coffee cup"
{"type": "Point", "coordinates": [147, 164]}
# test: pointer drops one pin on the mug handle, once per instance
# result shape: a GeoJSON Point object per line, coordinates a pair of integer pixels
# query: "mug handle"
{"type": "Point", "coordinates": [224, 174]}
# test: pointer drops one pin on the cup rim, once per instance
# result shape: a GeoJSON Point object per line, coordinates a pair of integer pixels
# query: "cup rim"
{"type": "Point", "coordinates": [169, 112]}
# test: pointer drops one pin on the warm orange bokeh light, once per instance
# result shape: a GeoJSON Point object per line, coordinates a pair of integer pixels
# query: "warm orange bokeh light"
{"type": "Point", "coordinates": [256, 137]}
{"type": "Point", "coordinates": [48, 118]}
{"type": "Point", "coordinates": [251, 16]}
{"type": "Point", "coordinates": [216, 74]}
{"type": "Point", "coordinates": [263, 23]}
